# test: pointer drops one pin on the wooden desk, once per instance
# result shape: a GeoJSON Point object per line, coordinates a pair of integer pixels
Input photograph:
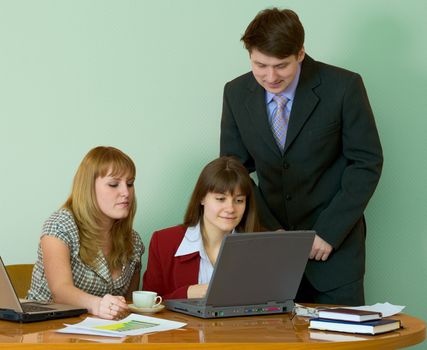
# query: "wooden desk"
{"type": "Point", "coordinates": [253, 332]}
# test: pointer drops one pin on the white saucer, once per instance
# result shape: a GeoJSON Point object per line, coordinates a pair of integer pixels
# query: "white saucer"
{"type": "Point", "coordinates": [146, 310]}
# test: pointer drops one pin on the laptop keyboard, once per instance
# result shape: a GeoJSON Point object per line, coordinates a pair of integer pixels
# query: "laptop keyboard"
{"type": "Point", "coordinates": [196, 302]}
{"type": "Point", "coordinates": [29, 307]}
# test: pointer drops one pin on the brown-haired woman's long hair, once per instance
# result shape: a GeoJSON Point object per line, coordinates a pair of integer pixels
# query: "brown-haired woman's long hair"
{"type": "Point", "coordinates": [223, 175]}
{"type": "Point", "coordinates": [99, 162]}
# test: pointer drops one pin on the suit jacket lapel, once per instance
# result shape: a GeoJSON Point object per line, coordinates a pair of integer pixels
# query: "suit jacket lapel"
{"type": "Point", "coordinates": [305, 99]}
{"type": "Point", "coordinates": [187, 269]}
{"type": "Point", "coordinates": [257, 111]}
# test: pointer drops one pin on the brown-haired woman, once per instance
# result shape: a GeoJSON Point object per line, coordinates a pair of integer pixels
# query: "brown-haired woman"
{"type": "Point", "coordinates": [181, 258]}
{"type": "Point", "coordinates": [89, 255]}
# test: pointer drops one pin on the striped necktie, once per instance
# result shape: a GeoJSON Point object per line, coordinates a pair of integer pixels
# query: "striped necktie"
{"type": "Point", "coordinates": [279, 121]}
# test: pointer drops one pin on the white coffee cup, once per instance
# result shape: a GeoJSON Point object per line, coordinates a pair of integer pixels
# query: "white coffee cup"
{"type": "Point", "coordinates": [145, 299]}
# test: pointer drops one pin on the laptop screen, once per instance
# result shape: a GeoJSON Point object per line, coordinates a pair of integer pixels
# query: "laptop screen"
{"type": "Point", "coordinates": [259, 267]}
{"type": "Point", "coordinates": [8, 297]}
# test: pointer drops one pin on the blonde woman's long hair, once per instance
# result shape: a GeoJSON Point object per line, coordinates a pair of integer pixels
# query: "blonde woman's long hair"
{"type": "Point", "coordinates": [100, 162]}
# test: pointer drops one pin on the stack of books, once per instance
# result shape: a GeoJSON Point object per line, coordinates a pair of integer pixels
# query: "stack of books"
{"type": "Point", "coordinates": [353, 321]}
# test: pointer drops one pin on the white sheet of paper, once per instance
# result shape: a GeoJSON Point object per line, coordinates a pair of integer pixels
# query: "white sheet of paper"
{"type": "Point", "coordinates": [131, 325]}
{"type": "Point", "coordinates": [386, 309]}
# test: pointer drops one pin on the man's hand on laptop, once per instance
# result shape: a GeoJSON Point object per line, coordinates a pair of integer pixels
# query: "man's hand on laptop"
{"type": "Point", "coordinates": [320, 249]}
{"type": "Point", "coordinates": [197, 291]}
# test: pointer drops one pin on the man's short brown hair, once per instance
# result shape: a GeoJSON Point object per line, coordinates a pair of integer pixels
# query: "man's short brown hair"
{"type": "Point", "coordinates": [276, 33]}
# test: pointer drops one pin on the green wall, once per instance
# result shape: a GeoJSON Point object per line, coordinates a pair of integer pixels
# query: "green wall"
{"type": "Point", "coordinates": [147, 77]}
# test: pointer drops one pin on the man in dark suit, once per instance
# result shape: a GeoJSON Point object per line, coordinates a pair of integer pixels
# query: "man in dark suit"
{"type": "Point", "coordinates": [307, 129]}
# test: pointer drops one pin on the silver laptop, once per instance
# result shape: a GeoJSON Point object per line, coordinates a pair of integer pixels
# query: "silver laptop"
{"type": "Point", "coordinates": [255, 274]}
{"type": "Point", "coordinates": [12, 309]}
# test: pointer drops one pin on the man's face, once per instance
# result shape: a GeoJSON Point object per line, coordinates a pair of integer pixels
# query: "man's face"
{"type": "Point", "coordinates": [275, 74]}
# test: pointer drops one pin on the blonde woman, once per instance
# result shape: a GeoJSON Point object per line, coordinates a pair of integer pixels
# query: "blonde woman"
{"type": "Point", "coordinates": [89, 255]}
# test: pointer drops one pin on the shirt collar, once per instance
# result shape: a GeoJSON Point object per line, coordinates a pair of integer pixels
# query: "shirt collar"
{"type": "Point", "coordinates": [289, 92]}
{"type": "Point", "coordinates": [192, 241]}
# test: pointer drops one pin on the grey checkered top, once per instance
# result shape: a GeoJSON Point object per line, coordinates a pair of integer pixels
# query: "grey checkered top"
{"type": "Point", "coordinates": [93, 281]}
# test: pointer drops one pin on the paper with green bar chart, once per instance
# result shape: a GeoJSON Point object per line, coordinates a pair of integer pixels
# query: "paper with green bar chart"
{"type": "Point", "coordinates": [131, 325]}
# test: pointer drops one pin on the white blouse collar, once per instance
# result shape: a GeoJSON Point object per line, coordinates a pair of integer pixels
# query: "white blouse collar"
{"type": "Point", "coordinates": [192, 241]}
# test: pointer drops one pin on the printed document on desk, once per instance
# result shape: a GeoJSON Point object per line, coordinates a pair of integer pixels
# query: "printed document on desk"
{"type": "Point", "coordinates": [386, 308]}
{"type": "Point", "coordinates": [131, 325]}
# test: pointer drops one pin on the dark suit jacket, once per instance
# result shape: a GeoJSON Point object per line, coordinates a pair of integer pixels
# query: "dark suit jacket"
{"type": "Point", "coordinates": [330, 167]}
{"type": "Point", "coordinates": [166, 274]}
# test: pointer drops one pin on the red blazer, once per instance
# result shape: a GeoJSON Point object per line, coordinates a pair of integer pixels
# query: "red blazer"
{"type": "Point", "coordinates": [167, 275]}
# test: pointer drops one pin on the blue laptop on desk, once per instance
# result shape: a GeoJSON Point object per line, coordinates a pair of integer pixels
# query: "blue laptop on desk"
{"type": "Point", "coordinates": [12, 309]}
{"type": "Point", "coordinates": [255, 274]}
